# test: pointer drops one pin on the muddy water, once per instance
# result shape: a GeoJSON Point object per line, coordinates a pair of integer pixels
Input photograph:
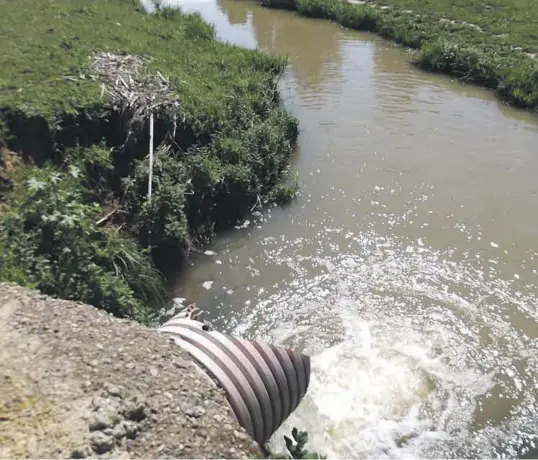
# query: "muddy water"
{"type": "Point", "coordinates": [407, 268]}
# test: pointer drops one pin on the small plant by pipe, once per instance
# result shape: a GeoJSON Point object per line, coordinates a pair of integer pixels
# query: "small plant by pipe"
{"type": "Point", "coordinates": [295, 447]}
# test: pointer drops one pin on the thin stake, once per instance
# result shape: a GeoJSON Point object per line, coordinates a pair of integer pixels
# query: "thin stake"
{"type": "Point", "coordinates": [150, 177]}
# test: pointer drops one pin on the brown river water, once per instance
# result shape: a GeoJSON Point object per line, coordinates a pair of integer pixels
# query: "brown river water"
{"type": "Point", "coordinates": [407, 267]}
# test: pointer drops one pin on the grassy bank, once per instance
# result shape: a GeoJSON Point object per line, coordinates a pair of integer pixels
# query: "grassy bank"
{"type": "Point", "coordinates": [493, 44]}
{"type": "Point", "coordinates": [78, 81]}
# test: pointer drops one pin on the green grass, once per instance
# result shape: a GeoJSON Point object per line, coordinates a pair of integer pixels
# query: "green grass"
{"type": "Point", "coordinates": [487, 43]}
{"type": "Point", "coordinates": [49, 239]}
{"type": "Point", "coordinates": [228, 149]}
{"type": "Point", "coordinates": [505, 23]}
{"type": "Point", "coordinates": [43, 42]}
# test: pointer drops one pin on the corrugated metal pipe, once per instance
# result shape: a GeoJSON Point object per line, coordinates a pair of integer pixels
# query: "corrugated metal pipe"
{"type": "Point", "coordinates": [264, 383]}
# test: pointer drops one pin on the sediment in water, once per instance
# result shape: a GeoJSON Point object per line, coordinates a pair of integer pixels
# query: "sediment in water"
{"type": "Point", "coordinates": [447, 46]}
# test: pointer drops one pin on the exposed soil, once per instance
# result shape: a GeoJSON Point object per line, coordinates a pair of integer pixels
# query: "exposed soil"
{"type": "Point", "coordinates": [77, 382]}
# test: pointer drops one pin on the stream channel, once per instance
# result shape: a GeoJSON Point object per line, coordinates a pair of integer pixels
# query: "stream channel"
{"type": "Point", "coordinates": [408, 265]}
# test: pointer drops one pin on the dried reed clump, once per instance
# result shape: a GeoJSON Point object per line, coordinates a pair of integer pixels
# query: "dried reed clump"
{"type": "Point", "coordinates": [139, 93]}
{"type": "Point", "coordinates": [133, 88]}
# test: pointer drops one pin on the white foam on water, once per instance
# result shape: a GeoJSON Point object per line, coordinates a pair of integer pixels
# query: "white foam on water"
{"type": "Point", "coordinates": [207, 285]}
{"type": "Point", "coordinates": [385, 391]}
{"type": "Point", "coordinates": [413, 355]}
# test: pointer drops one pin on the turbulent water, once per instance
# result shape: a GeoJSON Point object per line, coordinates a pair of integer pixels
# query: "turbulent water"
{"type": "Point", "coordinates": [413, 354]}
{"type": "Point", "coordinates": [408, 266]}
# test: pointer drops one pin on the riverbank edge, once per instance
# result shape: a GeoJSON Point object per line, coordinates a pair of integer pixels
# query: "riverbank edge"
{"type": "Point", "coordinates": [441, 44]}
{"type": "Point", "coordinates": [108, 388]}
{"type": "Point", "coordinates": [74, 166]}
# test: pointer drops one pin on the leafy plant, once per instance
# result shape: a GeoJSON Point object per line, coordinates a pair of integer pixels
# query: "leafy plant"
{"type": "Point", "coordinates": [284, 193]}
{"type": "Point", "coordinates": [296, 447]}
{"type": "Point", "coordinates": [161, 221]}
{"type": "Point", "coordinates": [49, 240]}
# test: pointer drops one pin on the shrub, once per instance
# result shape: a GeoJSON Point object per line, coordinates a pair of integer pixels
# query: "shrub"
{"type": "Point", "coordinates": [319, 8]}
{"type": "Point", "coordinates": [49, 240]}
{"type": "Point", "coordinates": [357, 18]}
{"type": "Point", "coordinates": [160, 222]}
{"type": "Point", "coordinates": [468, 63]}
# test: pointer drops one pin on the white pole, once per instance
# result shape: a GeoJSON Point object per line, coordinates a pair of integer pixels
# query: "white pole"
{"type": "Point", "coordinates": [150, 179]}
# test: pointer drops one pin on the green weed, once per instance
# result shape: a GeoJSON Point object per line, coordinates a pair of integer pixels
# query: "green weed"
{"type": "Point", "coordinates": [295, 447]}
{"type": "Point", "coordinates": [50, 240]}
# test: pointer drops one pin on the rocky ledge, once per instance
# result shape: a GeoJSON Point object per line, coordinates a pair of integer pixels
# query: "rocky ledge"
{"type": "Point", "coordinates": [77, 382]}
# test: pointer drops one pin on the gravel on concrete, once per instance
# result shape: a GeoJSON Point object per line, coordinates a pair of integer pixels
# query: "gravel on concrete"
{"type": "Point", "coordinates": [77, 382]}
